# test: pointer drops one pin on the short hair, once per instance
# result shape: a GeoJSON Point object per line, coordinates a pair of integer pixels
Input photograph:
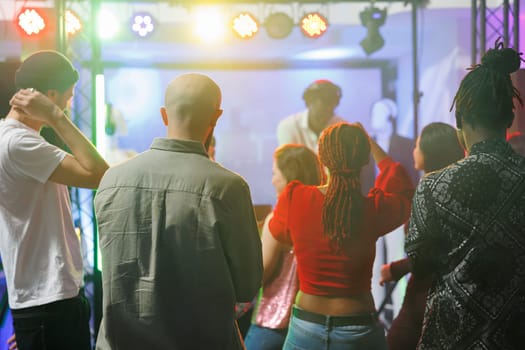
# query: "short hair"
{"type": "Point", "coordinates": [46, 70]}
{"type": "Point", "coordinates": [298, 162]}
{"type": "Point", "coordinates": [326, 90]}
{"type": "Point", "coordinates": [440, 146]}
{"type": "Point", "coordinates": [485, 95]}
{"type": "Point", "coordinates": [344, 149]}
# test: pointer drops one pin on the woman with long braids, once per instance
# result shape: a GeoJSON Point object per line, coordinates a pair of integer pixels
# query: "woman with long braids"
{"type": "Point", "coordinates": [467, 227]}
{"type": "Point", "coordinates": [333, 230]}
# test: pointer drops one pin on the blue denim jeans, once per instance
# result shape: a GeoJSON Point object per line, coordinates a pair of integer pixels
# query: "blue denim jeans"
{"type": "Point", "coordinates": [305, 335]}
{"type": "Point", "coordinates": [262, 338]}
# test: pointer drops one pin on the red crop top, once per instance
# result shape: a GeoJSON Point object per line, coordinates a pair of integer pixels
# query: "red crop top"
{"type": "Point", "coordinates": [321, 269]}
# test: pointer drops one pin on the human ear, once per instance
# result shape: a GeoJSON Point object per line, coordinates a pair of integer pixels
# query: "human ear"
{"type": "Point", "coordinates": [164, 115]}
{"type": "Point", "coordinates": [218, 113]}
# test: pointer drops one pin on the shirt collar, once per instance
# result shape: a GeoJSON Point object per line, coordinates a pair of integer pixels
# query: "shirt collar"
{"type": "Point", "coordinates": [173, 145]}
{"type": "Point", "coordinates": [18, 123]}
{"type": "Point", "coordinates": [490, 146]}
{"type": "Point", "coordinates": [303, 120]}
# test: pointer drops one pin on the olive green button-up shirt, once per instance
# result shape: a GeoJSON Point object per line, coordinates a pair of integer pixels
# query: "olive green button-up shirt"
{"type": "Point", "coordinates": [179, 245]}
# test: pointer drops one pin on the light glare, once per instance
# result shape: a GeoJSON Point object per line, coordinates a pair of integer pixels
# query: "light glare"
{"type": "Point", "coordinates": [101, 113]}
{"type": "Point", "coordinates": [73, 23]}
{"type": "Point", "coordinates": [31, 22]}
{"type": "Point", "coordinates": [142, 25]}
{"type": "Point", "coordinates": [313, 25]}
{"type": "Point", "coordinates": [245, 26]}
{"type": "Point", "coordinates": [107, 25]}
{"type": "Point", "coordinates": [210, 25]}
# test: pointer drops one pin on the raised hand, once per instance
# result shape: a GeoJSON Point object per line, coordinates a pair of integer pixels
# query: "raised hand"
{"type": "Point", "coordinates": [34, 105]}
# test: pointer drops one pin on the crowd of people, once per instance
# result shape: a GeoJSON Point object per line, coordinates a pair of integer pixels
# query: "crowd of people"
{"type": "Point", "coordinates": [181, 246]}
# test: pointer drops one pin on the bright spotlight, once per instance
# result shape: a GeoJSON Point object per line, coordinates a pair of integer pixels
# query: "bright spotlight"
{"type": "Point", "coordinates": [313, 25]}
{"type": "Point", "coordinates": [278, 25]}
{"type": "Point", "coordinates": [245, 25]}
{"type": "Point", "coordinates": [372, 18]}
{"type": "Point", "coordinates": [142, 24]}
{"type": "Point", "coordinates": [73, 24]}
{"type": "Point", "coordinates": [31, 21]}
{"type": "Point", "coordinates": [108, 25]}
{"type": "Point", "coordinates": [210, 25]}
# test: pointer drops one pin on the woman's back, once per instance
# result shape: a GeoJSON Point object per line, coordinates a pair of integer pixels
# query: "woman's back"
{"type": "Point", "coordinates": [324, 269]}
{"type": "Point", "coordinates": [333, 231]}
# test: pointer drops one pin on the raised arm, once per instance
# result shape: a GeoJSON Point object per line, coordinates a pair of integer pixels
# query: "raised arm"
{"type": "Point", "coordinates": [377, 152]}
{"type": "Point", "coordinates": [394, 270]}
{"type": "Point", "coordinates": [84, 167]}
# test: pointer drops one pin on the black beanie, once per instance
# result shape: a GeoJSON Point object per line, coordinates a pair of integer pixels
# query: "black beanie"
{"type": "Point", "coordinates": [46, 70]}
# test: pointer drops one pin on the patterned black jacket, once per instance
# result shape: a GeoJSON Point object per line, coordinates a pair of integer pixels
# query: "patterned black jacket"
{"type": "Point", "coordinates": [468, 229]}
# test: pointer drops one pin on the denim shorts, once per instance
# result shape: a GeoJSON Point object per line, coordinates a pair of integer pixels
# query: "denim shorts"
{"type": "Point", "coordinates": [308, 335]}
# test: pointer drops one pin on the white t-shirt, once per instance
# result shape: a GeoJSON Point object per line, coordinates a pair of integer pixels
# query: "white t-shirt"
{"type": "Point", "coordinates": [39, 247]}
{"type": "Point", "coordinates": [294, 129]}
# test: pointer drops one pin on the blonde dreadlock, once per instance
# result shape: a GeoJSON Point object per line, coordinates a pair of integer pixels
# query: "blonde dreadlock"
{"type": "Point", "coordinates": [344, 149]}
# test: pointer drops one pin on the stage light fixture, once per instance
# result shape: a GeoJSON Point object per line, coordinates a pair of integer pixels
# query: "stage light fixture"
{"type": "Point", "coordinates": [245, 26]}
{"type": "Point", "coordinates": [31, 21]}
{"type": "Point", "coordinates": [73, 24]}
{"type": "Point", "coordinates": [313, 25]}
{"type": "Point", "coordinates": [278, 25]}
{"type": "Point", "coordinates": [142, 24]}
{"type": "Point", "coordinates": [372, 18]}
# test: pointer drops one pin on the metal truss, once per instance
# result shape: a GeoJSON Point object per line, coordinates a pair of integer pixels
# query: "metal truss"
{"type": "Point", "coordinates": [489, 24]}
{"type": "Point", "coordinates": [84, 55]}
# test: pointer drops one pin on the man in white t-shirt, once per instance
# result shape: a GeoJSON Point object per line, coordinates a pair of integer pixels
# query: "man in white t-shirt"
{"type": "Point", "coordinates": [321, 98]}
{"type": "Point", "coordinates": [38, 244]}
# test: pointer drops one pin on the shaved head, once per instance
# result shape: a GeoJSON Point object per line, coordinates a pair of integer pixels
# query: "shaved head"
{"type": "Point", "coordinates": [192, 105]}
{"type": "Point", "coordinates": [192, 91]}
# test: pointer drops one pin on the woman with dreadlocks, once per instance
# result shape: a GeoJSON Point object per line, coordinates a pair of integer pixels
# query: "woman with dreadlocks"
{"type": "Point", "coordinates": [333, 230]}
{"type": "Point", "coordinates": [468, 221]}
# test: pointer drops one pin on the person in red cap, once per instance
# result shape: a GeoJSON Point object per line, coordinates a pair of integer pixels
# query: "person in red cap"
{"type": "Point", "coordinates": [39, 246]}
{"type": "Point", "coordinates": [321, 98]}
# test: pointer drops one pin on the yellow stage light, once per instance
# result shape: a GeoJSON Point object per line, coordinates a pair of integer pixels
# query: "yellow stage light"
{"type": "Point", "coordinates": [245, 26]}
{"type": "Point", "coordinates": [313, 25]}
